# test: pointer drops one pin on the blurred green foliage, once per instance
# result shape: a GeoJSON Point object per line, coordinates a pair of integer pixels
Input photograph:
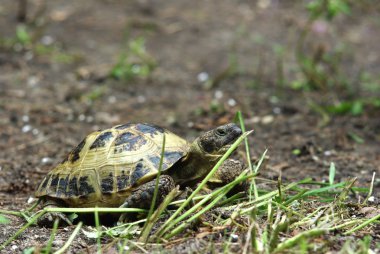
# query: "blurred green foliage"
{"type": "Point", "coordinates": [25, 39]}
{"type": "Point", "coordinates": [134, 62]}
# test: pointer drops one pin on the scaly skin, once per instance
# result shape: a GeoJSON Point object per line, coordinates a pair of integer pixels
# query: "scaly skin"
{"type": "Point", "coordinates": [142, 197]}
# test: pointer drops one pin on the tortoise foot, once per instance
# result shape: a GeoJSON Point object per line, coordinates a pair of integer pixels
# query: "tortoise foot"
{"type": "Point", "coordinates": [142, 197]}
{"type": "Point", "coordinates": [47, 220]}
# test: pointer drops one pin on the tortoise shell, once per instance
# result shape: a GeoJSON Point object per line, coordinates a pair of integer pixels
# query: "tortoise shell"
{"type": "Point", "coordinates": [108, 165]}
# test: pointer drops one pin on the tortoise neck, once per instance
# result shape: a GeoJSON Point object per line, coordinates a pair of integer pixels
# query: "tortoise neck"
{"type": "Point", "coordinates": [193, 167]}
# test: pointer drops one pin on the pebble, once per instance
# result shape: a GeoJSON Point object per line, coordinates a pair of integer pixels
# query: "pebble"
{"type": "Point", "coordinates": [14, 247]}
{"type": "Point", "coordinates": [231, 102]}
{"type": "Point", "coordinates": [35, 131]}
{"type": "Point", "coordinates": [89, 119]}
{"type": "Point", "coordinates": [327, 153]}
{"type": "Point", "coordinates": [112, 99]}
{"type": "Point", "coordinates": [277, 110]}
{"type": "Point", "coordinates": [26, 128]}
{"type": "Point", "coordinates": [203, 77]}
{"type": "Point", "coordinates": [32, 81]}
{"type": "Point", "coordinates": [25, 118]}
{"type": "Point", "coordinates": [218, 94]}
{"type": "Point", "coordinates": [371, 199]}
{"type": "Point", "coordinates": [255, 119]}
{"type": "Point", "coordinates": [47, 40]}
{"type": "Point", "coordinates": [46, 160]}
{"type": "Point", "coordinates": [267, 119]}
{"type": "Point", "coordinates": [31, 200]}
{"type": "Point", "coordinates": [141, 99]}
{"type": "Point", "coordinates": [81, 117]}
{"type": "Point", "coordinates": [234, 238]}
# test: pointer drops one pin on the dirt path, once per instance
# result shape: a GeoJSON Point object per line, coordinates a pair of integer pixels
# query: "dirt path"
{"type": "Point", "coordinates": [53, 90]}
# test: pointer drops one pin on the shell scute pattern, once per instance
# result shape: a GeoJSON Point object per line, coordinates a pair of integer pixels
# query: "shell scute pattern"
{"type": "Point", "coordinates": [150, 129]}
{"type": "Point", "coordinates": [102, 140]}
{"type": "Point", "coordinates": [122, 181]}
{"type": "Point", "coordinates": [107, 184]}
{"type": "Point", "coordinates": [111, 162]}
{"type": "Point", "coordinates": [75, 153]}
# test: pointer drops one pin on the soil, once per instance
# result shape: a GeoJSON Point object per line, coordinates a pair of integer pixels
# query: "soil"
{"type": "Point", "coordinates": [50, 101]}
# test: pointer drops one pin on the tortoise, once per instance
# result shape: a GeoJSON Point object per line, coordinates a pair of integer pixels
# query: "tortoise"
{"type": "Point", "coordinates": [118, 166]}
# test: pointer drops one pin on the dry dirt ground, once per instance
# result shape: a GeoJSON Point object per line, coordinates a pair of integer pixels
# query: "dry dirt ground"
{"type": "Point", "coordinates": [52, 96]}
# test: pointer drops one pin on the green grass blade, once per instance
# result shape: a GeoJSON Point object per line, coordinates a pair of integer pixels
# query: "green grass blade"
{"type": "Point", "coordinates": [239, 117]}
{"type": "Point", "coordinates": [183, 225]}
{"type": "Point", "coordinates": [156, 215]}
{"type": "Point", "coordinates": [332, 173]}
{"type": "Point", "coordinates": [52, 236]}
{"type": "Point", "coordinates": [70, 240]}
{"type": "Point", "coordinates": [149, 223]}
{"type": "Point", "coordinates": [98, 232]}
{"type": "Point", "coordinates": [364, 224]}
{"type": "Point", "coordinates": [253, 187]}
{"type": "Point", "coordinates": [165, 227]}
{"type": "Point", "coordinates": [370, 188]}
{"type": "Point", "coordinates": [315, 232]}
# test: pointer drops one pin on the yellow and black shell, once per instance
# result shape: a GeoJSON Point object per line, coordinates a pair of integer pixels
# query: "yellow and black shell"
{"type": "Point", "coordinates": [108, 165]}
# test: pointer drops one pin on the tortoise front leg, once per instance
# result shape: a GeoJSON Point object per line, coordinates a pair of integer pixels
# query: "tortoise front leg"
{"type": "Point", "coordinates": [47, 220]}
{"type": "Point", "coordinates": [227, 173]}
{"type": "Point", "coordinates": [142, 197]}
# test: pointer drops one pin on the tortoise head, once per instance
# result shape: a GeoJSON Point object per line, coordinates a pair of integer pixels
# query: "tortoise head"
{"type": "Point", "coordinates": [218, 140]}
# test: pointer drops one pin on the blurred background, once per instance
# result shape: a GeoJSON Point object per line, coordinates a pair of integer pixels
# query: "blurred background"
{"type": "Point", "coordinates": [304, 74]}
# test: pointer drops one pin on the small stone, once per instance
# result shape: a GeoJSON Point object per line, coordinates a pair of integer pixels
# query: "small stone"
{"type": "Point", "coordinates": [203, 77]}
{"type": "Point", "coordinates": [190, 124]}
{"type": "Point", "coordinates": [112, 99]}
{"type": "Point", "coordinates": [255, 119]}
{"type": "Point", "coordinates": [267, 119]}
{"type": "Point", "coordinates": [234, 238]}
{"type": "Point", "coordinates": [89, 119]}
{"type": "Point", "coordinates": [231, 102]}
{"type": "Point", "coordinates": [25, 118]}
{"type": "Point", "coordinates": [277, 110]}
{"type": "Point", "coordinates": [46, 161]}
{"type": "Point", "coordinates": [32, 81]}
{"type": "Point", "coordinates": [35, 131]}
{"type": "Point", "coordinates": [47, 40]}
{"type": "Point", "coordinates": [81, 117]}
{"type": "Point", "coordinates": [26, 128]}
{"type": "Point", "coordinates": [371, 199]}
{"type": "Point", "coordinates": [218, 94]}
{"type": "Point", "coordinates": [141, 99]}
{"type": "Point", "coordinates": [14, 247]}
{"type": "Point", "coordinates": [31, 200]}
{"type": "Point", "coordinates": [327, 153]}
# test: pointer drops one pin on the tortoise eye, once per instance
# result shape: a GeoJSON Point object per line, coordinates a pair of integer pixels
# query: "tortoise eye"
{"type": "Point", "coordinates": [221, 132]}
